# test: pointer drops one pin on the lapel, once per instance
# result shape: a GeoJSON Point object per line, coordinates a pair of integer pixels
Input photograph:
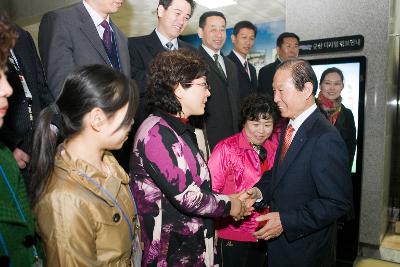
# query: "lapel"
{"type": "Point", "coordinates": [122, 44]}
{"type": "Point", "coordinates": [233, 90]}
{"type": "Point", "coordinates": [182, 44]}
{"type": "Point", "coordinates": [153, 44]}
{"type": "Point", "coordinates": [295, 147]}
{"type": "Point", "coordinates": [213, 66]}
{"type": "Point", "coordinates": [89, 30]}
{"type": "Point", "coordinates": [239, 65]}
{"type": "Point", "coordinates": [253, 75]}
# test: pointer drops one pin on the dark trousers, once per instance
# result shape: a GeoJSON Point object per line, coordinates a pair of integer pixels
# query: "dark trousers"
{"type": "Point", "coordinates": [241, 254]}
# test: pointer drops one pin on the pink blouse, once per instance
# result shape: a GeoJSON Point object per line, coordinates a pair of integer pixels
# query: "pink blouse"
{"type": "Point", "coordinates": [235, 166]}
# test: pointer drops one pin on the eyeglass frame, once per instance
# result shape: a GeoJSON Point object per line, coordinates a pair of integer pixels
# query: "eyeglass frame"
{"type": "Point", "coordinates": [205, 85]}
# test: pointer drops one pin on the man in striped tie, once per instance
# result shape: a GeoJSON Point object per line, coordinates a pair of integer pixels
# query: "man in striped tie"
{"type": "Point", "coordinates": [309, 187]}
{"type": "Point", "coordinates": [83, 34]}
{"type": "Point", "coordinates": [78, 35]}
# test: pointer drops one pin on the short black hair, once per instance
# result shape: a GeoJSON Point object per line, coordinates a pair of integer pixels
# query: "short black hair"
{"type": "Point", "coordinates": [331, 70]}
{"type": "Point", "coordinates": [244, 24]}
{"type": "Point", "coordinates": [301, 72]}
{"type": "Point", "coordinates": [205, 15]}
{"type": "Point", "coordinates": [258, 106]}
{"type": "Point", "coordinates": [167, 3]}
{"type": "Point", "coordinates": [284, 35]}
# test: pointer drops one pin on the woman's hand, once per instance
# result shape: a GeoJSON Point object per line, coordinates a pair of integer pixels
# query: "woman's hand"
{"type": "Point", "coordinates": [238, 209]}
{"type": "Point", "coordinates": [250, 196]}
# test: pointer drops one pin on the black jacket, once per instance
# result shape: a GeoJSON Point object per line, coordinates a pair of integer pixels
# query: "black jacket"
{"type": "Point", "coordinates": [266, 76]}
{"type": "Point", "coordinates": [246, 86]}
{"type": "Point", "coordinates": [222, 108]}
{"type": "Point", "coordinates": [17, 129]}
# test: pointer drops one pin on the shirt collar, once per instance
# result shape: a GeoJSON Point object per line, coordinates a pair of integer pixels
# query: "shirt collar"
{"type": "Point", "coordinates": [243, 141]}
{"type": "Point", "coordinates": [165, 40]}
{"type": "Point", "coordinates": [297, 122]}
{"type": "Point", "coordinates": [239, 56]}
{"type": "Point", "coordinates": [210, 51]}
{"type": "Point", "coordinates": [97, 19]}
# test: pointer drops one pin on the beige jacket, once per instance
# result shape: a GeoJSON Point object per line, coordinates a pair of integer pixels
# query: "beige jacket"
{"type": "Point", "coordinates": [79, 224]}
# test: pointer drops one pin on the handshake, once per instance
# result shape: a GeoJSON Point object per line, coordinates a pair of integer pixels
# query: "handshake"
{"type": "Point", "coordinates": [242, 203]}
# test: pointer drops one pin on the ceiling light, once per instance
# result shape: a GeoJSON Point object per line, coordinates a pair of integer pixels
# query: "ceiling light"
{"type": "Point", "coordinates": [211, 4]}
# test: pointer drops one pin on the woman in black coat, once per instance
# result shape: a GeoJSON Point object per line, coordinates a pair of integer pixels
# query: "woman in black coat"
{"type": "Point", "coordinates": [330, 102]}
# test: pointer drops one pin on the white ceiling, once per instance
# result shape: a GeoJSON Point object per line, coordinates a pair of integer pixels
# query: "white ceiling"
{"type": "Point", "coordinates": [138, 17]}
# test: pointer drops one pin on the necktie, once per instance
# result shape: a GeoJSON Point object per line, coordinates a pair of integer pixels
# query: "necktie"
{"type": "Point", "coordinates": [219, 65]}
{"type": "Point", "coordinates": [107, 36]}
{"type": "Point", "coordinates": [246, 67]}
{"type": "Point", "coordinates": [286, 141]}
{"type": "Point", "coordinates": [170, 46]}
{"type": "Point", "coordinates": [109, 45]}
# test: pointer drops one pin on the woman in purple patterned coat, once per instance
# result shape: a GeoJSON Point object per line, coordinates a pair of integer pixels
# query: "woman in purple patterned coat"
{"type": "Point", "coordinates": [169, 176]}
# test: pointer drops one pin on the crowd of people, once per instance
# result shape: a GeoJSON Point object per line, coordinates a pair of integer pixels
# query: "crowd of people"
{"type": "Point", "coordinates": [146, 151]}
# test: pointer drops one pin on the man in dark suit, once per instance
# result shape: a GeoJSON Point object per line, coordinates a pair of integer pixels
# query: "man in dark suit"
{"type": "Point", "coordinates": [173, 17]}
{"type": "Point", "coordinates": [80, 35]}
{"type": "Point", "coordinates": [309, 187]}
{"type": "Point", "coordinates": [243, 37]}
{"type": "Point", "coordinates": [287, 47]}
{"type": "Point", "coordinates": [222, 108]}
{"type": "Point", "coordinates": [31, 95]}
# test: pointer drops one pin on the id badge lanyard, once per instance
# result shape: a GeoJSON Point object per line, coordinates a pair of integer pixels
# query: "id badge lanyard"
{"type": "Point", "coordinates": [13, 60]}
{"type": "Point", "coordinates": [38, 261]}
{"type": "Point", "coordinates": [108, 194]}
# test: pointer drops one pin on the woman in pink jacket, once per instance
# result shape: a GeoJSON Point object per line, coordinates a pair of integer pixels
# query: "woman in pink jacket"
{"type": "Point", "coordinates": [236, 164]}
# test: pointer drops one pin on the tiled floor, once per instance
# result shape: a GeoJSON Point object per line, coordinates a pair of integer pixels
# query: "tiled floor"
{"type": "Point", "coordinates": [390, 246]}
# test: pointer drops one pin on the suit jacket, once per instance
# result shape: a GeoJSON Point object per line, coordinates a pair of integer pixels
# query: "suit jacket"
{"type": "Point", "coordinates": [142, 50]}
{"type": "Point", "coordinates": [311, 188]}
{"type": "Point", "coordinates": [246, 86]}
{"type": "Point", "coordinates": [266, 76]}
{"type": "Point", "coordinates": [17, 129]}
{"type": "Point", "coordinates": [68, 39]}
{"type": "Point", "coordinates": [222, 108]}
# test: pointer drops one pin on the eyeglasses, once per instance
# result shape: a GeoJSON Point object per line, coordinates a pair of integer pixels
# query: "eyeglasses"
{"type": "Point", "coordinates": [204, 85]}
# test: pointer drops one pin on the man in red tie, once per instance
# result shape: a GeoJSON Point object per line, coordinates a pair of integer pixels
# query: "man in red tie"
{"type": "Point", "coordinates": [309, 187]}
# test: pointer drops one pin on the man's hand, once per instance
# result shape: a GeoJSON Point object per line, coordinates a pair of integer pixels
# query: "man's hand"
{"type": "Point", "coordinates": [21, 158]}
{"type": "Point", "coordinates": [238, 209]}
{"type": "Point", "coordinates": [272, 228]}
{"type": "Point", "coordinates": [250, 196]}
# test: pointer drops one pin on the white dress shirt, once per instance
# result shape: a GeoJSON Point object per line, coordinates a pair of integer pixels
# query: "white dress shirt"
{"type": "Point", "coordinates": [297, 122]}
{"type": "Point", "coordinates": [164, 40]}
{"type": "Point", "coordinates": [97, 19]}
{"type": "Point", "coordinates": [220, 58]}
